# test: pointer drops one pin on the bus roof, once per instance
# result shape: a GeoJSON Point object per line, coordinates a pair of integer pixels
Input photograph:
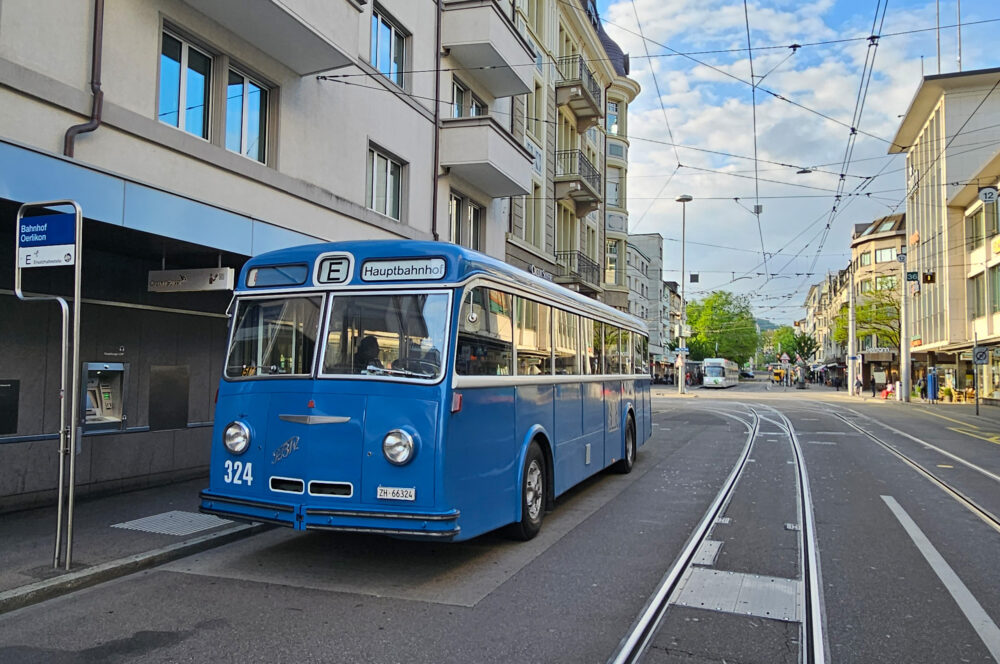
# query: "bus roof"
{"type": "Point", "coordinates": [412, 263]}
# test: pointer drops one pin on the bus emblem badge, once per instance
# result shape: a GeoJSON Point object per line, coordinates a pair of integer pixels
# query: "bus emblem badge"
{"type": "Point", "coordinates": [285, 449]}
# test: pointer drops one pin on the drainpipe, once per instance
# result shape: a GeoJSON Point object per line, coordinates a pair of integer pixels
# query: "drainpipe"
{"type": "Point", "coordinates": [437, 125]}
{"type": "Point", "coordinates": [95, 83]}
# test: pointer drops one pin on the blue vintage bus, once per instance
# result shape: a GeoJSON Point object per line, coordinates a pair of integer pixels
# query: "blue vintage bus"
{"type": "Point", "coordinates": [417, 389]}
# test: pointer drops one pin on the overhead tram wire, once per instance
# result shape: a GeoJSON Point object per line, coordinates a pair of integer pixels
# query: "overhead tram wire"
{"type": "Point", "coordinates": [859, 104]}
{"type": "Point", "coordinates": [762, 89]}
{"type": "Point", "coordinates": [756, 173]}
{"type": "Point", "coordinates": [670, 133]}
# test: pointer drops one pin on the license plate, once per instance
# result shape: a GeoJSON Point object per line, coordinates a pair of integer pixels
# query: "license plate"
{"type": "Point", "coordinates": [397, 493]}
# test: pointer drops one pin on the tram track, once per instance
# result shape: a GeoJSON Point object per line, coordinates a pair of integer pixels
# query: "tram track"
{"type": "Point", "coordinates": [991, 519]}
{"type": "Point", "coordinates": [813, 649]}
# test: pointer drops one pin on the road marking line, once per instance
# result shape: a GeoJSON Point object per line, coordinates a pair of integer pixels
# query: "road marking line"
{"type": "Point", "coordinates": [945, 417]}
{"type": "Point", "coordinates": [988, 437]}
{"type": "Point", "coordinates": [973, 610]}
{"type": "Point", "coordinates": [945, 465]}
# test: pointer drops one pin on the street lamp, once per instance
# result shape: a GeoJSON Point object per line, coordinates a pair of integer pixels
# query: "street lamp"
{"type": "Point", "coordinates": [683, 199]}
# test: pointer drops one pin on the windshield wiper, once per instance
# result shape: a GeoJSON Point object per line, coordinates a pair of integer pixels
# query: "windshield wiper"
{"type": "Point", "coordinates": [371, 369]}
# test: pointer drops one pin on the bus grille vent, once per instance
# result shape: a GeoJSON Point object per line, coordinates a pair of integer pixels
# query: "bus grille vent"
{"type": "Point", "coordinates": [343, 489]}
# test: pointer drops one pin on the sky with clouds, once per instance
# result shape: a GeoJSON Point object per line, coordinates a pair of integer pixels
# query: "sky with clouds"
{"type": "Point", "coordinates": [702, 139]}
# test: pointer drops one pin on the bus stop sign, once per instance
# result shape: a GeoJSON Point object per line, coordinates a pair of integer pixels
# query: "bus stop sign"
{"type": "Point", "coordinates": [47, 240]}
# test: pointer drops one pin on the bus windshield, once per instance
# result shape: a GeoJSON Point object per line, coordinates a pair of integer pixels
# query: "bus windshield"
{"type": "Point", "coordinates": [401, 335]}
{"type": "Point", "coordinates": [274, 336]}
{"type": "Point", "coordinates": [715, 371]}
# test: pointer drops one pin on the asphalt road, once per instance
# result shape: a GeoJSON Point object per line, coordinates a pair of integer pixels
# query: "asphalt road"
{"type": "Point", "coordinates": [908, 573]}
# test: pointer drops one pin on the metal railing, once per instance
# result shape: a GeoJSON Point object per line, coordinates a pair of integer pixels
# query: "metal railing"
{"type": "Point", "coordinates": [577, 263]}
{"type": "Point", "coordinates": [573, 68]}
{"type": "Point", "coordinates": [574, 162]}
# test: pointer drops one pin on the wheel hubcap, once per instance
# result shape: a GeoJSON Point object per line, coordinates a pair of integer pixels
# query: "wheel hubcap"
{"type": "Point", "coordinates": [533, 490]}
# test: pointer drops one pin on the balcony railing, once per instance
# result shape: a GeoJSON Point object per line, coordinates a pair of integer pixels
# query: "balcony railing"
{"type": "Point", "coordinates": [573, 68]}
{"type": "Point", "coordinates": [578, 264]}
{"type": "Point", "coordinates": [575, 163]}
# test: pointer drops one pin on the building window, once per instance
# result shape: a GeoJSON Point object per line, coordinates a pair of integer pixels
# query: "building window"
{"type": "Point", "coordinates": [566, 237]}
{"type": "Point", "coordinates": [384, 184]}
{"type": "Point", "coordinates": [865, 286]}
{"type": "Point", "coordinates": [612, 274]}
{"type": "Point", "coordinates": [613, 198]}
{"type": "Point", "coordinates": [185, 82]}
{"type": "Point", "coordinates": [974, 229]}
{"type": "Point", "coordinates": [388, 48]}
{"type": "Point", "coordinates": [865, 258]}
{"type": "Point", "coordinates": [885, 282]}
{"type": "Point", "coordinates": [616, 150]}
{"type": "Point", "coordinates": [246, 116]}
{"type": "Point", "coordinates": [467, 220]}
{"type": "Point", "coordinates": [535, 15]}
{"type": "Point", "coordinates": [612, 118]}
{"type": "Point", "coordinates": [995, 289]}
{"type": "Point", "coordinates": [977, 297]}
{"type": "Point", "coordinates": [464, 103]}
{"type": "Point", "coordinates": [535, 111]}
{"type": "Point", "coordinates": [534, 217]}
{"type": "Point", "coordinates": [885, 255]}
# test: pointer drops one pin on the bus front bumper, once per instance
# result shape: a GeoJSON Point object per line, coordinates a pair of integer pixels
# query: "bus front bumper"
{"type": "Point", "coordinates": [421, 525]}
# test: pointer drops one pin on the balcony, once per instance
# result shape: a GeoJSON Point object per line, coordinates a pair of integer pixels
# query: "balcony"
{"type": "Point", "coordinates": [481, 152]}
{"type": "Point", "coordinates": [577, 88]}
{"type": "Point", "coordinates": [305, 37]}
{"type": "Point", "coordinates": [481, 36]}
{"type": "Point", "coordinates": [577, 180]}
{"type": "Point", "coordinates": [574, 268]}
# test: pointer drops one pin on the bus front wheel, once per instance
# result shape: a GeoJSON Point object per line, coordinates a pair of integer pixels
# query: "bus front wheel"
{"type": "Point", "coordinates": [624, 466]}
{"type": "Point", "coordinates": [532, 496]}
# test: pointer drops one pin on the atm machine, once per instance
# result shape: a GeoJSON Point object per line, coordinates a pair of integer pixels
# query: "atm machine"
{"type": "Point", "coordinates": [103, 396]}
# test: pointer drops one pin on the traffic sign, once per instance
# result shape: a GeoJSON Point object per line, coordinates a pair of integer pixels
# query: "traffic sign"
{"type": "Point", "coordinates": [784, 357]}
{"type": "Point", "coordinates": [901, 257]}
{"type": "Point", "coordinates": [988, 194]}
{"type": "Point", "coordinates": [682, 350]}
{"type": "Point", "coordinates": [981, 355]}
{"type": "Point", "coordinates": [913, 276]}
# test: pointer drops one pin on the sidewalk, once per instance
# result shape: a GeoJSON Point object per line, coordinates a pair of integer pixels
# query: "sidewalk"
{"type": "Point", "coordinates": [105, 544]}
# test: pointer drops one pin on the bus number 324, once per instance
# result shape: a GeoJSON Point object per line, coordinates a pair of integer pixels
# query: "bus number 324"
{"type": "Point", "coordinates": [238, 473]}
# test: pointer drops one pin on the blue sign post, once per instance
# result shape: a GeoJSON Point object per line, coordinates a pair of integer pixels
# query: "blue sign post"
{"type": "Point", "coordinates": [46, 238]}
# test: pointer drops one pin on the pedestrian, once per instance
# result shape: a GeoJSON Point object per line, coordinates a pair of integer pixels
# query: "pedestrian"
{"type": "Point", "coordinates": [923, 389]}
{"type": "Point", "coordinates": [873, 387]}
{"type": "Point", "coordinates": [836, 383]}
{"type": "Point", "coordinates": [858, 386]}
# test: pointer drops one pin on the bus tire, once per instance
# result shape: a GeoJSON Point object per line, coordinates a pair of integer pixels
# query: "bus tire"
{"type": "Point", "coordinates": [627, 462]}
{"type": "Point", "coordinates": [532, 496]}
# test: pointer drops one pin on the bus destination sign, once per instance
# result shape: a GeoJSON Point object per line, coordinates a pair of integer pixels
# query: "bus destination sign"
{"type": "Point", "coordinates": [410, 269]}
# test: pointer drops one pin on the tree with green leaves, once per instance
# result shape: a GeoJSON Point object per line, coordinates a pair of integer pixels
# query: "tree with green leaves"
{"type": "Point", "coordinates": [805, 346]}
{"type": "Point", "coordinates": [877, 314]}
{"type": "Point", "coordinates": [722, 325]}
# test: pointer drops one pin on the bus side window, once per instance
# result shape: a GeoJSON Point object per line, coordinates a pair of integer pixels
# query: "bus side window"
{"type": "Point", "coordinates": [485, 334]}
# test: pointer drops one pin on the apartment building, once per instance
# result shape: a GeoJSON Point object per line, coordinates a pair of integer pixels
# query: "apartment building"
{"type": "Point", "coordinates": [195, 134]}
{"type": "Point", "coordinates": [573, 118]}
{"type": "Point", "coordinates": [950, 135]}
{"type": "Point", "coordinates": [644, 274]}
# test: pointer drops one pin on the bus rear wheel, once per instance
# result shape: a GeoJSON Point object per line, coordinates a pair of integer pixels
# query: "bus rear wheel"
{"type": "Point", "coordinates": [532, 496]}
{"type": "Point", "coordinates": [627, 462]}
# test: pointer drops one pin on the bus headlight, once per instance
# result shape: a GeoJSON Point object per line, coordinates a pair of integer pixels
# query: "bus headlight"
{"type": "Point", "coordinates": [397, 446]}
{"type": "Point", "coordinates": [236, 437]}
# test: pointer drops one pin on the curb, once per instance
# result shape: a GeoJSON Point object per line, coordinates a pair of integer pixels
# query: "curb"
{"type": "Point", "coordinates": [34, 593]}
